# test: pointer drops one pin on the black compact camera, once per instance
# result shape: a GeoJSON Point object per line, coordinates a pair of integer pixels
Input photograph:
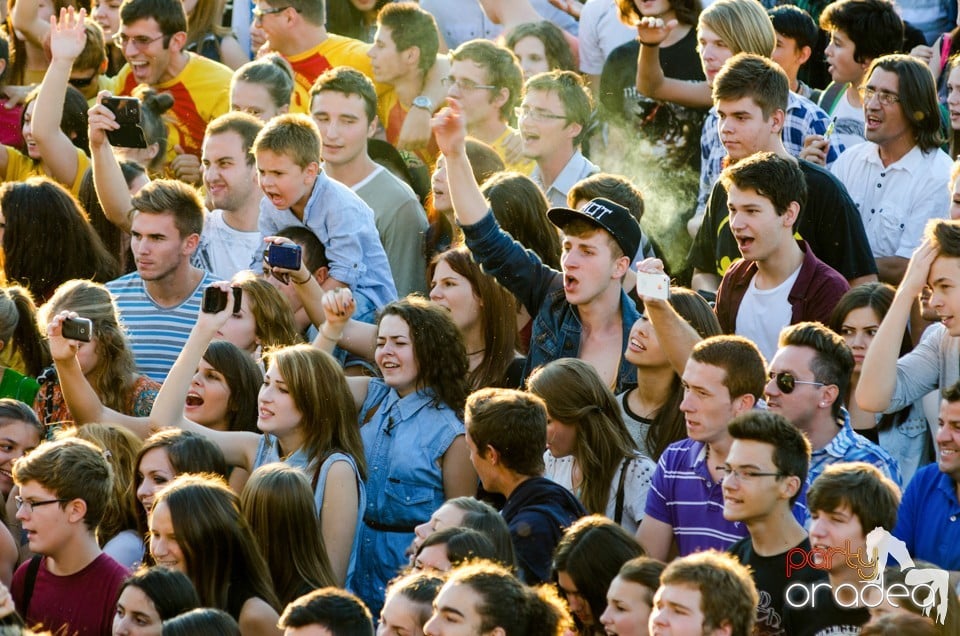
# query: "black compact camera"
{"type": "Point", "coordinates": [215, 300]}
{"type": "Point", "coordinates": [77, 329]}
{"type": "Point", "coordinates": [285, 255]}
{"type": "Point", "coordinates": [127, 112]}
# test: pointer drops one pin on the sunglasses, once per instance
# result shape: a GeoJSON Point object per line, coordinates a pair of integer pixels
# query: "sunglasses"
{"type": "Point", "coordinates": [787, 383]}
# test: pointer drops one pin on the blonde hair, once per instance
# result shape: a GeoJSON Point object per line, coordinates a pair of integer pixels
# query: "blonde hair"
{"type": "Point", "coordinates": [743, 24]}
{"type": "Point", "coordinates": [272, 316]}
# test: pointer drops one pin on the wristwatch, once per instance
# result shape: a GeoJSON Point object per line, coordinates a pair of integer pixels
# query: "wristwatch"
{"type": "Point", "coordinates": [424, 102]}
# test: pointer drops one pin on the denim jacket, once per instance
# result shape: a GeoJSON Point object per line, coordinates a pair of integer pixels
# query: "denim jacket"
{"type": "Point", "coordinates": [556, 323]}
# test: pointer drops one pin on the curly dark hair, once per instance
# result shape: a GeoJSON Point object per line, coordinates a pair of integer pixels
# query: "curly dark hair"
{"type": "Point", "coordinates": [437, 347]}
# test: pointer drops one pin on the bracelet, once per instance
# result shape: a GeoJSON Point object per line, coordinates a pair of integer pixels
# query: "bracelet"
{"type": "Point", "coordinates": [325, 336]}
{"type": "Point", "coordinates": [300, 282]}
{"type": "Point", "coordinates": [652, 46]}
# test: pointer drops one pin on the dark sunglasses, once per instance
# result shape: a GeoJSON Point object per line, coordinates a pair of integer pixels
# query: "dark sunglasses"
{"type": "Point", "coordinates": [81, 82]}
{"type": "Point", "coordinates": [787, 383]}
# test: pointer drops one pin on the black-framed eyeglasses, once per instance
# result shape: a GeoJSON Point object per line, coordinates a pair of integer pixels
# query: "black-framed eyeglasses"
{"type": "Point", "coordinates": [465, 84]}
{"type": "Point", "coordinates": [140, 41]}
{"type": "Point", "coordinates": [30, 505]}
{"type": "Point", "coordinates": [787, 383]}
{"type": "Point", "coordinates": [258, 13]}
{"type": "Point", "coordinates": [886, 98]}
{"type": "Point", "coordinates": [746, 474]}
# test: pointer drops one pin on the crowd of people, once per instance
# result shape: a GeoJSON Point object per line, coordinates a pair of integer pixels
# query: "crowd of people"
{"type": "Point", "coordinates": [635, 317]}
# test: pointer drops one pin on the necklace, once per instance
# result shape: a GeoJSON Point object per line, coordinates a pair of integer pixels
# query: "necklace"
{"type": "Point", "coordinates": [473, 353]}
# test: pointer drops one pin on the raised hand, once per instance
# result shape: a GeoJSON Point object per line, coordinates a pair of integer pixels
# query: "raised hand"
{"type": "Point", "coordinates": [450, 129]}
{"type": "Point", "coordinates": [67, 34]}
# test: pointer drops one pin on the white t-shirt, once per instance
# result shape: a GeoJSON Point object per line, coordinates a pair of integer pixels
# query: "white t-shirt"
{"type": "Point", "coordinates": [224, 251]}
{"type": "Point", "coordinates": [636, 485]}
{"type": "Point", "coordinates": [764, 312]}
{"type": "Point", "coordinates": [849, 128]}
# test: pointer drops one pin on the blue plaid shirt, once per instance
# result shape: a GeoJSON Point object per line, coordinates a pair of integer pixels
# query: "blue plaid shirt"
{"type": "Point", "coordinates": [803, 118]}
{"type": "Point", "coordinates": [850, 446]}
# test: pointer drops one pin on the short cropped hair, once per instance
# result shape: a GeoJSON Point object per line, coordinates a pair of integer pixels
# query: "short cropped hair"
{"type": "Point", "coordinates": [412, 26]}
{"type": "Point", "coordinates": [243, 124]}
{"type": "Point", "coordinates": [94, 53]}
{"type": "Point", "coordinates": [293, 135]}
{"type": "Point", "coordinates": [771, 176]}
{"type": "Point", "coordinates": [614, 187]}
{"type": "Point", "coordinates": [502, 68]}
{"type": "Point", "coordinates": [512, 422]}
{"type": "Point", "coordinates": [728, 595]}
{"type": "Point", "coordinates": [870, 495]}
{"type": "Point", "coordinates": [573, 94]}
{"type": "Point", "coordinates": [792, 22]}
{"type": "Point", "coordinates": [791, 449]}
{"type": "Point", "coordinates": [874, 26]}
{"type": "Point", "coordinates": [754, 76]}
{"type": "Point", "coordinates": [832, 361]}
{"type": "Point", "coordinates": [313, 11]}
{"type": "Point", "coordinates": [339, 611]}
{"type": "Point", "coordinates": [951, 393]}
{"type": "Point", "coordinates": [169, 15]}
{"type": "Point", "coordinates": [745, 370]}
{"type": "Point", "coordinates": [348, 81]}
{"type": "Point", "coordinates": [70, 469]}
{"type": "Point", "coordinates": [170, 196]}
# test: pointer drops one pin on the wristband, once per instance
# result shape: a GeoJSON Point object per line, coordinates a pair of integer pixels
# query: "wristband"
{"type": "Point", "coordinates": [300, 282]}
{"type": "Point", "coordinates": [325, 336]}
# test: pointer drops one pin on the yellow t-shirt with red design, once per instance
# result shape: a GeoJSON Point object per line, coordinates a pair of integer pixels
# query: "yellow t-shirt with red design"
{"type": "Point", "coordinates": [336, 50]}
{"type": "Point", "coordinates": [201, 92]}
{"type": "Point", "coordinates": [21, 167]}
{"type": "Point", "coordinates": [392, 114]}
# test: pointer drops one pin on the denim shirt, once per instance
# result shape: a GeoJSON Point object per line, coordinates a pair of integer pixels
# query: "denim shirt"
{"type": "Point", "coordinates": [556, 323]}
{"type": "Point", "coordinates": [404, 441]}
{"type": "Point", "coordinates": [345, 226]}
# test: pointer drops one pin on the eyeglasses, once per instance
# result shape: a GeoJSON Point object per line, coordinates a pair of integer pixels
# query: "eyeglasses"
{"type": "Point", "coordinates": [140, 41]}
{"type": "Point", "coordinates": [258, 13]}
{"type": "Point", "coordinates": [465, 84]}
{"type": "Point", "coordinates": [787, 383]}
{"type": "Point", "coordinates": [536, 114]}
{"type": "Point", "coordinates": [30, 505]}
{"type": "Point", "coordinates": [746, 475]}
{"type": "Point", "coordinates": [885, 98]}
{"type": "Point", "coordinates": [81, 82]}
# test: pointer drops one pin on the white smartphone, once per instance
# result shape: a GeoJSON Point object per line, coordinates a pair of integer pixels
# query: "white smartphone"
{"type": "Point", "coordinates": [653, 285]}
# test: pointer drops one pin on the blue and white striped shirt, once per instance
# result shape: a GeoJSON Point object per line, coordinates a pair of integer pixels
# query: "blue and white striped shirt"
{"type": "Point", "coordinates": [157, 334]}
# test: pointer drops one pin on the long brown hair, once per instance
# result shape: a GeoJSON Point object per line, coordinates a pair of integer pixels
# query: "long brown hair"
{"type": "Point", "coordinates": [576, 396]}
{"type": "Point", "coordinates": [498, 311]}
{"type": "Point", "coordinates": [321, 394]}
{"type": "Point", "coordinates": [215, 539]}
{"type": "Point", "coordinates": [278, 503]}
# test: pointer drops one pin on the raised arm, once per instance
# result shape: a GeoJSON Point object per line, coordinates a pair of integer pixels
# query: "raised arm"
{"type": "Point", "coordinates": [239, 447]}
{"type": "Point", "coordinates": [25, 18]}
{"type": "Point", "coordinates": [59, 155]}
{"type": "Point", "coordinates": [81, 399]}
{"type": "Point", "coordinates": [878, 379]}
{"type": "Point", "coordinates": [359, 338]}
{"type": "Point", "coordinates": [304, 283]}
{"type": "Point", "coordinates": [650, 78]}
{"type": "Point", "coordinates": [108, 179]}
{"type": "Point", "coordinates": [415, 130]}
{"type": "Point", "coordinates": [676, 336]}
{"type": "Point", "coordinates": [450, 129]}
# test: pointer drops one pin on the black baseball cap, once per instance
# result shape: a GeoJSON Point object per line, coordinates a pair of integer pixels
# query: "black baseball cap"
{"type": "Point", "coordinates": [606, 215]}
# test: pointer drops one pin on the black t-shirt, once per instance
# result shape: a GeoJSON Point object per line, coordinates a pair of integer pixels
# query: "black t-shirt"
{"type": "Point", "coordinates": [672, 128]}
{"type": "Point", "coordinates": [824, 617]}
{"type": "Point", "coordinates": [829, 222]}
{"type": "Point", "coordinates": [770, 576]}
